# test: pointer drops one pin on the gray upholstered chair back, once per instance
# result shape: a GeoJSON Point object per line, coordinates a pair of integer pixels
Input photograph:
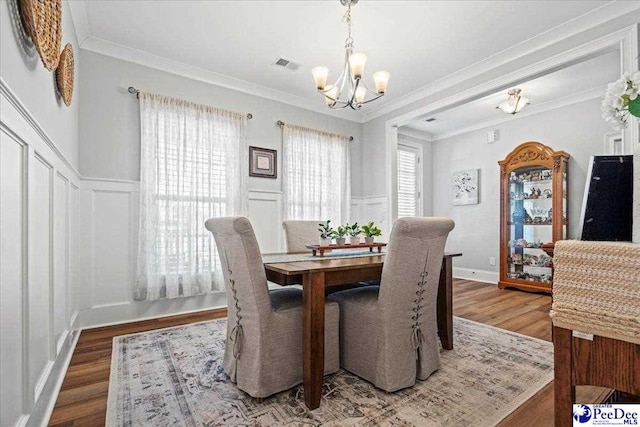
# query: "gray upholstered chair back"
{"type": "Point", "coordinates": [409, 287]}
{"type": "Point", "coordinates": [301, 233]}
{"type": "Point", "coordinates": [242, 267]}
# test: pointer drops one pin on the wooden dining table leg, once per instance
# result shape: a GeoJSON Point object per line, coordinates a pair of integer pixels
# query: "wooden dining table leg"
{"type": "Point", "coordinates": [445, 304]}
{"type": "Point", "coordinates": [313, 337]}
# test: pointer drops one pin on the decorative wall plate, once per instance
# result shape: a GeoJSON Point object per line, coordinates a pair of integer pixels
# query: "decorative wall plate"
{"type": "Point", "coordinates": [42, 21]}
{"type": "Point", "coordinates": [64, 74]}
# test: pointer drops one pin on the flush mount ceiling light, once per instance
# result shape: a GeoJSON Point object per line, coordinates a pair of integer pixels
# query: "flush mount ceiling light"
{"type": "Point", "coordinates": [349, 90]}
{"type": "Point", "coordinates": [515, 103]}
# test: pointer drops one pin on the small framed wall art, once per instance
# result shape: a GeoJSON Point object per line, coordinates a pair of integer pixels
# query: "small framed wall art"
{"type": "Point", "coordinates": [465, 187]}
{"type": "Point", "coordinates": [263, 162]}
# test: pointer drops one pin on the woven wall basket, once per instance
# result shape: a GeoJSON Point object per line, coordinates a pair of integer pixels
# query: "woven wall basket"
{"type": "Point", "coordinates": [64, 74]}
{"type": "Point", "coordinates": [42, 20]}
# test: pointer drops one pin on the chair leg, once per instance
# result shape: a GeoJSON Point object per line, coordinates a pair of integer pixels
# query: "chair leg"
{"type": "Point", "coordinates": [259, 400]}
{"type": "Point", "coordinates": [564, 390]}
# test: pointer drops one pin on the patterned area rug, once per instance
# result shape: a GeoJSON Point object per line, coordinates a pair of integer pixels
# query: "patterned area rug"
{"type": "Point", "coordinates": [174, 377]}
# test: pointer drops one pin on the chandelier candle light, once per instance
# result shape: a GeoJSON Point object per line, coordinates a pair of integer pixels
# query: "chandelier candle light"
{"type": "Point", "coordinates": [349, 90]}
{"type": "Point", "coordinates": [515, 103]}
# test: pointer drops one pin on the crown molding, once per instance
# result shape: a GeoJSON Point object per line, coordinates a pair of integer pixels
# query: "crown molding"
{"type": "Point", "coordinates": [415, 134]}
{"type": "Point", "coordinates": [591, 19]}
{"type": "Point", "coordinates": [104, 47]}
{"type": "Point", "coordinates": [532, 110]}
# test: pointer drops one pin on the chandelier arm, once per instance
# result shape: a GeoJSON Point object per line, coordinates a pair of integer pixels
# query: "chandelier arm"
{"type": "Point", "coordinates": [345, 76]}
{"type": "Point", "coordinates": [380, 95]}
{"type": "Point", "coordinates": [353, 92]}
{"type": "Point", "coordinates": [368, 89]}
{"type": "Point", "coordinates": [339, 105]}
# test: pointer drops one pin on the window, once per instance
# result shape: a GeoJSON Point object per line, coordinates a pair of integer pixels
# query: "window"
{"type": "Point", "coordinates": [192, 169]}
{"type": "Point", "coordinates": [316, 175]}
{"type": "Point", "coordinates": [409, 179]}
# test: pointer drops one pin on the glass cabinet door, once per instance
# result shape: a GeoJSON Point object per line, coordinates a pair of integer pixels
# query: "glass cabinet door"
{"type": "Point", "coordinates": [530, 224]}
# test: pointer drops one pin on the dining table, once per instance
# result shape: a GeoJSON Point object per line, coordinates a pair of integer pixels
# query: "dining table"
{"type": "Point", "coordinates": [316, 275]}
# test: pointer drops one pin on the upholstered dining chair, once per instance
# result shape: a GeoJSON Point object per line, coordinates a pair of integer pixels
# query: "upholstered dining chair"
{"type": "Point", "coordinates": [299, 234]}
{"type": "Point", "coordinates": [388, 333]}
{"type": "Point", "coordinates": [263, 353]}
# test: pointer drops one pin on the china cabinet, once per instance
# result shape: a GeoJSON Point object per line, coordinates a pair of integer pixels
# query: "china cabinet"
{"type": "Point", "coordinates": [533, 213]}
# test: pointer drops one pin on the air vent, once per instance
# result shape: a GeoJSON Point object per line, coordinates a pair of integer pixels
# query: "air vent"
{"type": "Point", "coordinates": [286, 63]}
{"type": "Point", "coordinates": [430, 119]}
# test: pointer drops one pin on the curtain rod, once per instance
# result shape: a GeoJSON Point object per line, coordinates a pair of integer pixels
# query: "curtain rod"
{"type": "Point", "coordinates": [133, 91]}
{"type": "Point", "coordinates": [280, 123]}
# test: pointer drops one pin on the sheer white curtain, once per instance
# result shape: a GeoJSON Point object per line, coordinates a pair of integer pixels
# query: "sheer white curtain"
{"type": "Point", "coordinates": [193, 167]}
{"type": "Point", "coordinates": [316, 175]}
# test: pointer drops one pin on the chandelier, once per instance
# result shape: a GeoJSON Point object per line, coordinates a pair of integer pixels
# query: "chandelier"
{"type": "Point", "coordinates": [515, 103]}
{"type": "Point", "coordinates": [349, 90]}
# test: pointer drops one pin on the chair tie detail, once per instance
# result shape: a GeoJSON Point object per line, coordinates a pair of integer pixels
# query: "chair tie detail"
{"type": "Point", "coordinates": [237, 334]}
{"type": "Point", "coordinates": [417, 337]}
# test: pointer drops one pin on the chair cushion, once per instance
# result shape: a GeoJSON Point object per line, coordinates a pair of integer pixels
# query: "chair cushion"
{"type": "Point", "coordinates": [286, 298]}
{"type": "Point", "coordinates": [366, 296]}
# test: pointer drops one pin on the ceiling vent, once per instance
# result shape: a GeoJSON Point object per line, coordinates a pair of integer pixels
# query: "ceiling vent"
{"type": "Point", "coordinates": [430, 120]}
{"type": "Point", "coordinates": [286, 63]}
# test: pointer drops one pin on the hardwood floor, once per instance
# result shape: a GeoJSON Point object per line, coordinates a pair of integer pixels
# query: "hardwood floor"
{"type": "Point", "coordinates": [83, 396]}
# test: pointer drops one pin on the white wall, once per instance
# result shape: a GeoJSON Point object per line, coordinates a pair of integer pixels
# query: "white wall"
{"type": "Point", "coordinates": [22, 70]}
{"type": "Point", "coordinates": [577, 129]}
{"type": "Point", "coordinates": [110, 123]}
{"type": "Point", "coordinates": [38, 224]}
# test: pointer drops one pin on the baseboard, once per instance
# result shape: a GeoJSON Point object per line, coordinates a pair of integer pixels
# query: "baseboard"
{"type": "Point", "coordinates": [477, 275]}
{"type": "Point", "coordinates": [47, 401]}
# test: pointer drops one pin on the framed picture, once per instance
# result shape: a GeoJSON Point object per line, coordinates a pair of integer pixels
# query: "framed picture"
{"type": "Point", "coordinates": [465, 187]}
{"type": "Point", "coordinates": [263, 162]}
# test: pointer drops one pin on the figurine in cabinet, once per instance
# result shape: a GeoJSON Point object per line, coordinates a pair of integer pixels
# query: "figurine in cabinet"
{"type": "Point", "coordinates": [525, 265]}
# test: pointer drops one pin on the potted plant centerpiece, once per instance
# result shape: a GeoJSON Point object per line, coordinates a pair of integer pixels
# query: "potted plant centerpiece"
{"type": "Point", "coordinates": [326, 233]}
{"type": "Point", "coordinates": [370, 232]}
{"type": "Point", "coordinates": [339, 234]}
{"type": "Point", "coordinates": [354, 233]}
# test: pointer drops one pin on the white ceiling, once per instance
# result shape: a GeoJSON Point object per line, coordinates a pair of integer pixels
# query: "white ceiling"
{"type": "Point", "coordinates": [418, 42]}
{"type": "Point", "coordinates": [585, 80]}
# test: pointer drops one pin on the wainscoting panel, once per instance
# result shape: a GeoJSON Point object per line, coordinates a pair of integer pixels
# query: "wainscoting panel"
{"type": "Point", "coordinates": [35, 265]}
{"type": "Point", "coordinates": [12, 277]}
{"type": "Point", "coordinates": [41, 342]}
{"type": "Point", "coordinates": [265, 214]}
{"type": "Point", "coordinates": [108, 246]}
{"type": "Point", "coordinates": [113, 272]}
{"type": "Point", "coordinates": [60, 256]}
{"type": "Point", "coordinates": [73, 286]}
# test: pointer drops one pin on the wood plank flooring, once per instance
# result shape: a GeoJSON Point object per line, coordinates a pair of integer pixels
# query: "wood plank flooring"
{"type": "Point", "coordinates": [83, 397]}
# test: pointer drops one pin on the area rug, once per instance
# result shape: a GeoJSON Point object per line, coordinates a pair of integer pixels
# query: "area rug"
{"type": "Point", "coordinates": [174, 377]}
